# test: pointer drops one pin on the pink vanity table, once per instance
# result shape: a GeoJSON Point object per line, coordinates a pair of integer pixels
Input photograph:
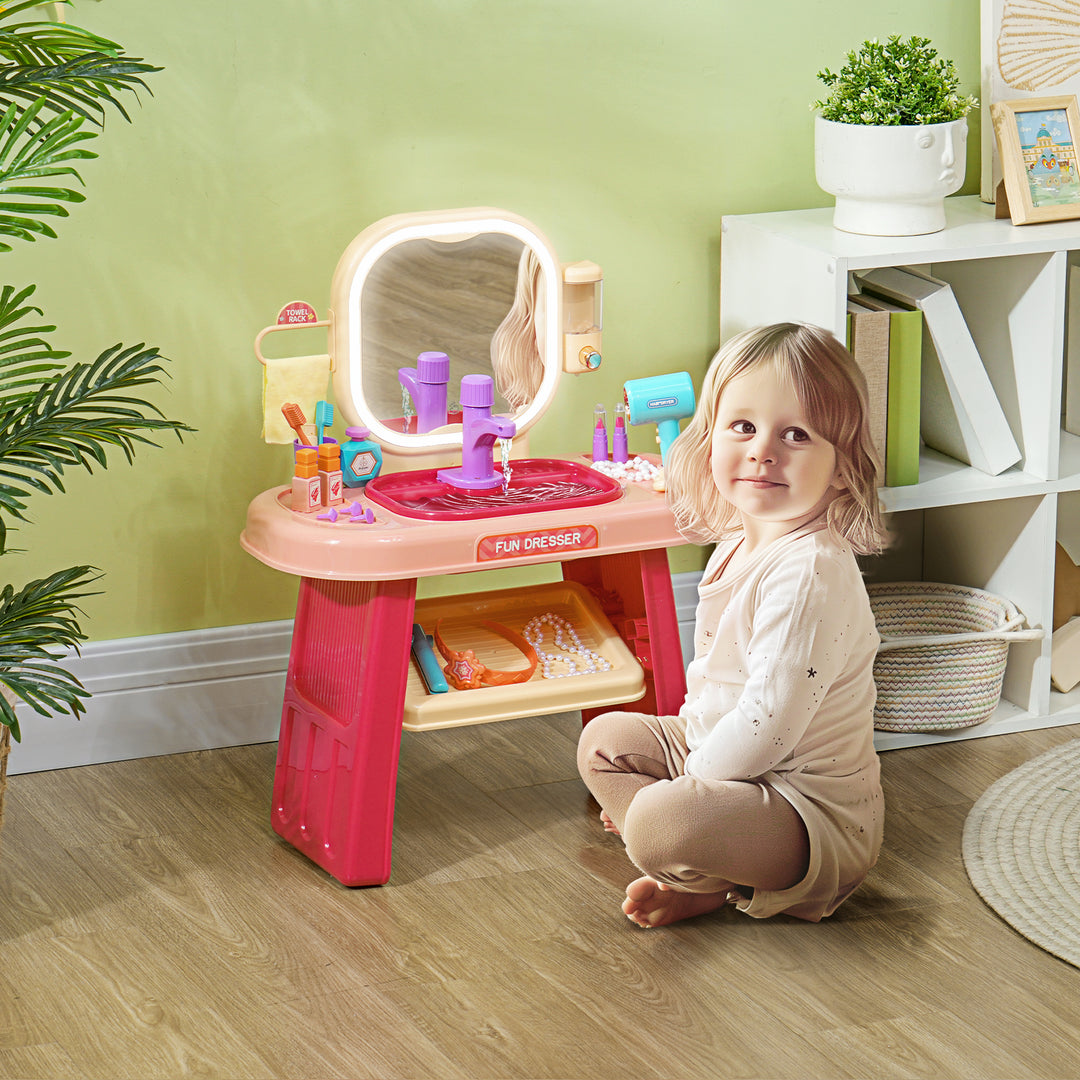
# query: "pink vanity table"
{"type": "Point", "coordinates": [352, 682]}
{"type": "Point", "coordinates": [429, 309]}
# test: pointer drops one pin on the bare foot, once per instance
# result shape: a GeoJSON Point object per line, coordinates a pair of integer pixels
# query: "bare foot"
{"type": "Point", "coordinates": [609, 825]}
{"type": "Point", "coordinates": [651, 903]}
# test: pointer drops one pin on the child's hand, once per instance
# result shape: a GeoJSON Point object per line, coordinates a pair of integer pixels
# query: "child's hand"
{"type": "Point", "coordinates": [609, 825]}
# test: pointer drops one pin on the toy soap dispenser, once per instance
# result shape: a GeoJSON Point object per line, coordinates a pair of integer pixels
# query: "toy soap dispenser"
{"type": "Point", "coordinates": [583, 319]}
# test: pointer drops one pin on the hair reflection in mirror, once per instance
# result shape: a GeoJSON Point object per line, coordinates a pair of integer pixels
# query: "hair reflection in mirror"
{"type": "Point", "coordinates": [516, 361]}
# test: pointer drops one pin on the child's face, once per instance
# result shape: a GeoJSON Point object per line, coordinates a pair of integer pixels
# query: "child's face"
{"type": "Point", "coordinates": [767, 460]}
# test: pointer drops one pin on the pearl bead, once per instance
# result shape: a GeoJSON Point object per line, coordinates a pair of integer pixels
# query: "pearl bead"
{"type": "Point", "coordinates": [575, 658]}
{"type": "Point", "coordinates": [637, 469]}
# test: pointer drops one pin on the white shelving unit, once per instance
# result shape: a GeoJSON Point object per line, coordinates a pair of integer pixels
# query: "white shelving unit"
{"type": "Point", "coordinates": [957, 524]}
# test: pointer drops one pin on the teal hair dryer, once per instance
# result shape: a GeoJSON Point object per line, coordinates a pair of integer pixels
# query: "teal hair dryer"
{"type": "Point", "coordinates": [662, 400]}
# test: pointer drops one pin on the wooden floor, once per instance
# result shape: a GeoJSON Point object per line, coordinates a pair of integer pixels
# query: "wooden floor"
{"type": "Point", "coordinates": [152, 925]}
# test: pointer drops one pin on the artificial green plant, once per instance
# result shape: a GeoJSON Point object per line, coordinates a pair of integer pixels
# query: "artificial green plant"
{"type": "Point", "coordinates": [58, 83]}
{"type": "Point", "coordinates": [894, 82]}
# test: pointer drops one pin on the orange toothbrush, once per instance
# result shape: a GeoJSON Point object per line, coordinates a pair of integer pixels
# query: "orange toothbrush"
{"type": "Point", "coordinates": [294, 417]}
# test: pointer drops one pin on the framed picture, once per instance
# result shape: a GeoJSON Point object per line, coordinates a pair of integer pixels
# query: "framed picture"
{"type": "Point", "coordinates": [1037, 142]}
{"type": "Point", "coordinates": [1029, 49]}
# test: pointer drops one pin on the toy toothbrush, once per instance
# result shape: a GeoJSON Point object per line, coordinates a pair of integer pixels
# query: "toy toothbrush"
{"type": "Point", "coordinates": [324, 418]}
{"type": "Point", "coordinates": [295, 418]}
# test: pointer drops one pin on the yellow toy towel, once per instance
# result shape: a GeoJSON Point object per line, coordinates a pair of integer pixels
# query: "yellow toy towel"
{"type": "Point", "coordinates": [302, 379]}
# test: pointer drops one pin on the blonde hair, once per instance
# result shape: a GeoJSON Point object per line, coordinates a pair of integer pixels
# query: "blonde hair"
{"type": "Point", "coordinates": [830, 388]}
{"type": "Point", "coordinates": [515, 355]}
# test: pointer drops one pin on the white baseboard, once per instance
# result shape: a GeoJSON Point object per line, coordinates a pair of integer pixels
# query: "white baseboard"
{"type": "Point", "coordinates": [684, 588]}
{"type": "Point", "coordinates": [164, 694]}
{"type": "Point", "coordinates": [196, 690]}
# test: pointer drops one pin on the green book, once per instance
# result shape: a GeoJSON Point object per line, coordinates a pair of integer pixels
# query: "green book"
{"type": "Point", "coordinates": [905, 359]}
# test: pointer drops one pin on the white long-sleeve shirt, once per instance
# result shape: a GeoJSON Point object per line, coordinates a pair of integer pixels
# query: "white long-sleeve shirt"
{"type": "Point", "coordinates": [781, 690]}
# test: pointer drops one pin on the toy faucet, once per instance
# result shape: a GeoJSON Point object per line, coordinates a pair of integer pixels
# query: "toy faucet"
{"type": "Point", "coordinates": [479, 430]}
{"type": "Point", "coordinates": [426, 384]}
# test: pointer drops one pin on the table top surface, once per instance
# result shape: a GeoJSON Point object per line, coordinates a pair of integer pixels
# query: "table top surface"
{"type": "Point", "coordinates": [395, 547]}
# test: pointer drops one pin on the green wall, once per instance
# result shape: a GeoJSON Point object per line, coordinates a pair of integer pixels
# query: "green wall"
{"type": "Point", "coordinates": [624, 129]}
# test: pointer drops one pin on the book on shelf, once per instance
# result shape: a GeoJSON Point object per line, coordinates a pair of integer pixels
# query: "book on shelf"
{"type": "Point", "coordinates": [960, 414]}
{"type": "Point", "coordinates": [1072, 354]}
{"type": "Point", "coordinates": [1065, 656]}
{"type": "Point", "coordinates": [904, 378]}
{"type": "Point", "coordinates": [868, 342]}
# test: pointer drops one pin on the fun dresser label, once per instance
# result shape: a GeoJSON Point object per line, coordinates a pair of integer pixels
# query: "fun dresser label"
{"type": "Point", "coordinates": [533, 542]}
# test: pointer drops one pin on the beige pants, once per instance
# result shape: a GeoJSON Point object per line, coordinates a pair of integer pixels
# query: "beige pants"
{"type": "Point", "coordinates": [695, 835]}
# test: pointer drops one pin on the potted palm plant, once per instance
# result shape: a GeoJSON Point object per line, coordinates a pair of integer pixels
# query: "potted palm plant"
{"type": "Point", "coordinates": [890, 138]}
{"type": "Point", "coordinates": [57, 82]}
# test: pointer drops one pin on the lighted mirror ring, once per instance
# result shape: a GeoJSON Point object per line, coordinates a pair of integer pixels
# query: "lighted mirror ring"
{"type": "Point", "coordinates": [346, 334]}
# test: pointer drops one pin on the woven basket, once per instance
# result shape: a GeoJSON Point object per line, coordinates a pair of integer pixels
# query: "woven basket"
{"type": "Point", "coordinates": [942, 656]}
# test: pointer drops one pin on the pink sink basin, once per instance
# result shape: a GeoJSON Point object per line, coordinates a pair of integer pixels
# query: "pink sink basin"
{"type": "Point", "coordinates": [536, 484]}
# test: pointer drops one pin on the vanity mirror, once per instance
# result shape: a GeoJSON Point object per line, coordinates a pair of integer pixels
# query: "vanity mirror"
{"type": "Point", "coordinates": [481, 286]}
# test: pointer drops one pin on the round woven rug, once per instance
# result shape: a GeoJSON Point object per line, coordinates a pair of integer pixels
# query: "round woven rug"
{"type": "Point", "coordinates": [1022, 850]}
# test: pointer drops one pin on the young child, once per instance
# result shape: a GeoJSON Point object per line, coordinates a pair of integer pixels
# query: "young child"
{"type": "Point", "coordinates": [764, 790]}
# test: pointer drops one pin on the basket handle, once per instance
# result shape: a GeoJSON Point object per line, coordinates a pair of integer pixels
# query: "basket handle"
{"type": "Point", "coordinates": [1004, 634]}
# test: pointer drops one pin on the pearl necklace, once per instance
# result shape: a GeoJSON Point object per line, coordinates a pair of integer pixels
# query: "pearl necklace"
{"type": "Point", "coordinates": [591, 662]}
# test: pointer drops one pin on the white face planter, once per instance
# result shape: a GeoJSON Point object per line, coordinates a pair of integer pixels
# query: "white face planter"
{"type": "Point", "coordinates": [890, 181]}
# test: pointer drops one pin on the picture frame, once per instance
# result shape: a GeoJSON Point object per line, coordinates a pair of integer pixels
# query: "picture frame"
{"type": "Point", "coordinates": [1028, 50]}
{"type": "Point", "coordinates": [1038, 141]}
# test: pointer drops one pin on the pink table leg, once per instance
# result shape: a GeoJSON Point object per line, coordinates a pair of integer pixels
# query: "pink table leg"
{"type": "Point", "coordinates": [336, 774]}
{"type": "Point", "coordinates": [634, 589]}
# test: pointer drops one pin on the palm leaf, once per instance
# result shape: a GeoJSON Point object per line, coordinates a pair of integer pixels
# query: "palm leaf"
{"type": "Point", "coordinates": [67, 66]}
{"type": "Point", "coordinates": [25, 355]}
{"type": "Point", "coordinates": [33, 159]}
{"type": "Point", "coordinates": [7, 10]}
{"type": "Point", "coordinates": [40, 616]}
{"type": "Point", "coordinates": [83, 85]}
{"type": "Point", "coordinates": [72, 420]}
{"type": "Point", "coordinates": [25, 141]}
{"type": "Point", "coordinates": [25, 42]}
{"type": "Point", "coordinates": [53, 78]}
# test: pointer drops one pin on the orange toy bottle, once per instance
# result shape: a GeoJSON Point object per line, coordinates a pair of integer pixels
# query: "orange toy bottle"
{"type": "Point", "coordinates": [331, 483]}
{"type": "Point", "coordinates": [305, 485]}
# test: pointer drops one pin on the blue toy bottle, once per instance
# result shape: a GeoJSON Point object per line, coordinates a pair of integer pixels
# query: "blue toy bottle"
{"type": "Point", "coordinates": [361, 457]}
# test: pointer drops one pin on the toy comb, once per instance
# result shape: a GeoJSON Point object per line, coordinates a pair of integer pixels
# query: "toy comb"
{"type": "Point", "coordinates": [324, 418]}
{"type": "Point", "coordinates": [295, 418]}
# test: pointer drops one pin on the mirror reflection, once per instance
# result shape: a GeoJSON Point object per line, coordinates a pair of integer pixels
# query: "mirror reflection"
{"type": "Point", "coordinates": [456, 293]}
{"type": "Point", "coordinates": [474, 299]}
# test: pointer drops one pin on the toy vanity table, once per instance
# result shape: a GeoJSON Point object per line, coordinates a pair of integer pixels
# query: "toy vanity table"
{"type": "Point", "coordinates": [353, 680]}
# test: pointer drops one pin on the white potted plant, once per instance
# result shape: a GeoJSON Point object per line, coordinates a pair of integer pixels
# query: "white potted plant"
{"type": "Point", "coordinates": [890, 139]}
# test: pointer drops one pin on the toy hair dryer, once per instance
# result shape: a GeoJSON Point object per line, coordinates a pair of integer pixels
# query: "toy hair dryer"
{"type": "Point", "coordinates": [662, 400]}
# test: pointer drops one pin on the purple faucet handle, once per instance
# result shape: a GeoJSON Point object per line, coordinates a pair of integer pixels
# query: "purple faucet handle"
{"type": "Point", "coordinates": [477, 391]}
{"type": "Point", "coordinates": [433, 367]}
